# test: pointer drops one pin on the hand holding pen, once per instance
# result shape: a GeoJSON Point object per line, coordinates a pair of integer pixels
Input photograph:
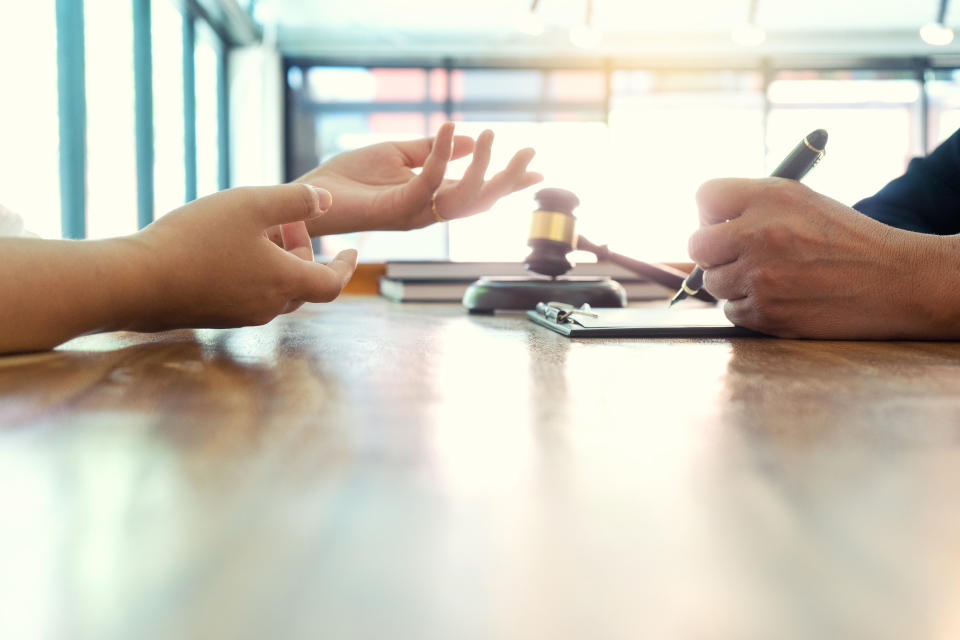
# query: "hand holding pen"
{"type": "Point", "coordinates": [795, 166]}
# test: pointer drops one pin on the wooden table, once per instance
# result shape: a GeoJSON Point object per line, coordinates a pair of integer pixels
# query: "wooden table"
{"type": "Point", "coordinates": [370, 470]}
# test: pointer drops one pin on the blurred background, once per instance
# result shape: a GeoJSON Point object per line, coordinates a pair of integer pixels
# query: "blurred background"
{"type": "Point", "coordinates": [114, 112]}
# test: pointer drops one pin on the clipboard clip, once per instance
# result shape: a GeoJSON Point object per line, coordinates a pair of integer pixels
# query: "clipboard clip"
{"type": "Point", "coordinates": [561, 312]}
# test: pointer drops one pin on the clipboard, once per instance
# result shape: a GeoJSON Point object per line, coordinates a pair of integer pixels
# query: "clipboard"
{"type": "Point", "coordinates": [636, 322]}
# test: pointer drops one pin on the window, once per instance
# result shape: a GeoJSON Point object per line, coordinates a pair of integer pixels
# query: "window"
{"type": "Point", "coordinates": [670, 132]}
{"type": "Point", "coordinates": [111, 140]}
{"type": "Point", "coordinates": [633, 144]}
{"type": "Point", "coordinates": [943, 89]}
{"type": "Point", "coordinates": [29, 126]}
{"type": "Point", "coordinates": [208, 130]}
{"type": "Point", "coordinates": [100, 130]}
{"type": "Point", "coordinates": [169, 153]}
{"type": "Point", "coordinates": [872, 118]}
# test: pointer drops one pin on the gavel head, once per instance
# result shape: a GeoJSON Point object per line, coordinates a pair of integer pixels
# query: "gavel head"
{"type": "Point", "coordinates": [552, 234]}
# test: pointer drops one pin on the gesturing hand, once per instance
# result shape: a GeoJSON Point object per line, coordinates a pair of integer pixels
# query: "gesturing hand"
{"type": "Point", "coordinates": [376, 188]}
{"type": "Point", "coordinates": [212, 264]}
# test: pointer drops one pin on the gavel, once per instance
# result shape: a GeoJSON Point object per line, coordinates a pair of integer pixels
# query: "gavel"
{"type": "Point", "coordinates": [553, 236]}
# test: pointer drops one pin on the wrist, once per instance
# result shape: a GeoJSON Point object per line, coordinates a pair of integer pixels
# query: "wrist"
{"type": "Point", "coordinates": [135, 289]}
{"type": "Point", "coordinates": [935, 296]}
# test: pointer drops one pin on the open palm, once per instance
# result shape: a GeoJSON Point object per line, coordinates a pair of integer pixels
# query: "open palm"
{"type": "Point", "coordinates": [376, 188]}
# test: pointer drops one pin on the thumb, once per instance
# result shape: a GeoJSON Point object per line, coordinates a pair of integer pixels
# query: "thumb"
{"type": "Point", "coordinates": [285, 203]}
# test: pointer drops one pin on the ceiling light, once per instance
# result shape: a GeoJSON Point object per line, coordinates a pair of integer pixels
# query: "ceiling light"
{"type": "Point", "coordinates": [937, 33]}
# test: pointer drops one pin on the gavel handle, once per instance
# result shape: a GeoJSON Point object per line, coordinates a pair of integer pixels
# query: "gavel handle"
{"type": "Point", "coordinates": [659, 273]}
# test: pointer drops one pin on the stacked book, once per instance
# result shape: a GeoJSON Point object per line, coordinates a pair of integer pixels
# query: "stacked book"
{"type": "Point", "coordinates": [444, 281]}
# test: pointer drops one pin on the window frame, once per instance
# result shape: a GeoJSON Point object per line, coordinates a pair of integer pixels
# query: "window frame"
{"type": "Point", "coordinates": [918, 67]}
{"type": "Point", "coordinates": [72, 107]}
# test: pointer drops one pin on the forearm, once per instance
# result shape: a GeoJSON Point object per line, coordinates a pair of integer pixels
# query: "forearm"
{"type": "Point", "coordinates": [54, 290]}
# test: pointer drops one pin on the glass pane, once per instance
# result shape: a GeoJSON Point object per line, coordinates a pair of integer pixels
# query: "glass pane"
{"type": "Point", "coordinates": [943, 89]}
{"type": "Point", "coordinates": [670, 132]}
{"type": "Point", "coordinates": [169, 165]}
{"type": "Point", "coordinates": [502, 85]}
{"type": "Point", "coordinates": [853, 110]}
{"type": "Point", "coordinates": [360, 84]}
{"type": "Point", "coordinates": [29, 126]}
{"type": "Point", "coordinates": [576, 86]}
{"type": "Point", "coordinates": [341, 84]}
{"type": "Point", "coordinates": [208, 130]}
{"type": "Point", "coordinates": [400, 85]}
{"type": "Point", "coordinates": [438, 85]}
{"type": "Point", "coordinates": [111, 141]}
{"type": "Point", "coordinates": [489, 116]}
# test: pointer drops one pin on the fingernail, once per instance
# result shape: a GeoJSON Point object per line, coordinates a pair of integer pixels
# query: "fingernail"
{"type": "Point", "coordinates": [326, 198]}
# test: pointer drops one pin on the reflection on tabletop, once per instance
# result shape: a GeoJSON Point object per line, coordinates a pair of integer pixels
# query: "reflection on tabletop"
{"type": "Point", "coordinates": [367, 469]}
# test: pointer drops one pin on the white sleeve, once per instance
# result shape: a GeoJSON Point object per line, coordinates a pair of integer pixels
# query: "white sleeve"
{"type": "Point", "coordinates": [12, 225]}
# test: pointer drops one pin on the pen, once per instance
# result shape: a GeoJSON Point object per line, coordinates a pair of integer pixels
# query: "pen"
{"type": "Point", "coordinates": [796, 165]}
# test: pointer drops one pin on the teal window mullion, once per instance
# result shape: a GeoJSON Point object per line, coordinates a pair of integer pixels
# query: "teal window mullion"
{"type": "Point", "coordinates": [189, 108]}
{"type": "Point", "coordinates": [223, 116]}
{"type": "Point", "coordinates": [143, 105]}
{"type": "Point", "coordinates": [72, 104]}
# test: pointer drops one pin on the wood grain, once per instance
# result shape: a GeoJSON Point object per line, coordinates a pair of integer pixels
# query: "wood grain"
{"type": "Point", "coordinates": [366, 469]}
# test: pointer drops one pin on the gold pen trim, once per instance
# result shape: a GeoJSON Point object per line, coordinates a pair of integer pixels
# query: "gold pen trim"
{"type": "Point", "coordinates": [811, 147]}
{"type": "Point", "coordinates": [688, 290]}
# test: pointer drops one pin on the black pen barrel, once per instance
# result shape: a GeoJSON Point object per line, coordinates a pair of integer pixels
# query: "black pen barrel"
{"type": "Point", "coordinates": [803, 157]}
{"type": "Point", "coordinates": [796, 165]}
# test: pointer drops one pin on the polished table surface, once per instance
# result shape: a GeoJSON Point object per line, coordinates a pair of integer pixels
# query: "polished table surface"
{"type": "Point", "coordinates": [366, 469]}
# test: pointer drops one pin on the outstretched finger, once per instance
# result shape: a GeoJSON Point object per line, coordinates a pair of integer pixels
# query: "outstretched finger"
{"type": "Point", "coordinates": [472, 179]}
{"type": "Point", "coordinates": [424, 185]}
{"type": "Point", "coordinates": [436, 163]}
{"type": "Point", "coordinates": [416, 152]}
{"type": "Point", "coordinates": [513, 178]}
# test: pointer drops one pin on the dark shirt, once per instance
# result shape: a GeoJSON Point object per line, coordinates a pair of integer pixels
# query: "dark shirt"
{"type": "Point", "coordinates": [926, 198]}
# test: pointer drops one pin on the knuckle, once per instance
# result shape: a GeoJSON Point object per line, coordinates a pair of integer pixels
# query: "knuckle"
{"type": "Point", "coordinates": [764, 280]}
{"type": "Point", "coordinates": [308, 196]}
{"type": "Point", "coordinates": [782, 189]}
{"type": "Point", "coordinates": [774, 236]}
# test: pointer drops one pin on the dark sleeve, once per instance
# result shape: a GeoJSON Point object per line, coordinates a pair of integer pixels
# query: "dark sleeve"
{"type": "Point", "coordinates": [926, 198]}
